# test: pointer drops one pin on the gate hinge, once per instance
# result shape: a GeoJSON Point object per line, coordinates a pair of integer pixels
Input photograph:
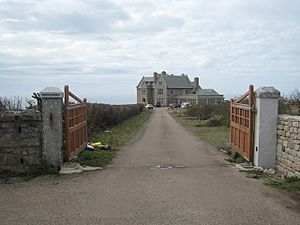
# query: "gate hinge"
{"type": "Point", "coordinates": [253, 109]}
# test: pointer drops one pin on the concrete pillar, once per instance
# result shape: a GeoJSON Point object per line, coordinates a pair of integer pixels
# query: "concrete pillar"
{"type": "Point", "coordinates": [52, 131]}
{"type": "Point", "coordinates": [266, 104]}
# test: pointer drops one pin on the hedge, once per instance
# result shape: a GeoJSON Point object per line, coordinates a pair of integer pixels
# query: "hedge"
{"type": "Point", "coordinates": [104, 116]}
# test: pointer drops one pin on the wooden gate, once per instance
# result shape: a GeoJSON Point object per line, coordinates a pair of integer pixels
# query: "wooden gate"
{"type": "Point", "coordinates": [75, 124]}
{"type": "Point", "coordinates": [241, 124]}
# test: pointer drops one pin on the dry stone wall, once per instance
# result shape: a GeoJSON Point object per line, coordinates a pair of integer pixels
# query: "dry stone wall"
{"type": "Point", "coordinates": [20, 140]}
{"type": "Point", "coordinates": [288, 145]}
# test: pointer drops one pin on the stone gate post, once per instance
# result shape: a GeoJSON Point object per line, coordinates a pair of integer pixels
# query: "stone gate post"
{"type": "Point", "coordinates": [265, 128]}
{"type": "Point", "coordinates": [52, 125]}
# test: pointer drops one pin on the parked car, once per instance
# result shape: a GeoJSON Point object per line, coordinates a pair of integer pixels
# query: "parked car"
{"type": "Point", "coordinates": [171, 105]}
{"type": "Point", "coordinates": [177, 106]}
{"type": "Point", "coordinates": [158, 104]}
{"type": "Point", "coordinates": [149, 106]}
{"type": "Point", "coordinates": [185, 104]}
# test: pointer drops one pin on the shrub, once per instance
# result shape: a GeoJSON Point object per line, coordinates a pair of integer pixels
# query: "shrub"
{"type": "Point", "coordinates": [214, 121]}
{"type": "Point", "coordinates": [103, 116]}
{"type": "Point", "coordinates": [205, 112]}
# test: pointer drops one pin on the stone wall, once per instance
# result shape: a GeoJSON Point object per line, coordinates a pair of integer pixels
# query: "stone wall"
{"type": "Point", "coordinates": [20, 139]}
{"type": "Point", "coordinates": [288, 145]}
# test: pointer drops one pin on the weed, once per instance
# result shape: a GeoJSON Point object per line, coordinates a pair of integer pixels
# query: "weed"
{"type": "Point", "coordinates": [117, 137]}
{"type": "Point", "coordinates": [95, 158]}
{"type": "Point", "coordinates": [31, 171]}
{"type": "Point", "coordinates": [217, 136]}
{"type": "Point", "coordinates": [290, 184]}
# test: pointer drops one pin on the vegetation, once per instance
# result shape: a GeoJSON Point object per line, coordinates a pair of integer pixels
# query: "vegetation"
{"type": "Point", "coordinates": [217, 114]}
{"type": "Point", "coordinates": [235, 158]}
{"type": "Point", "coordinates": [291, 184]}
{"type": "Point", "coordinates": [96, 158]}
{"type": "Point", "coordinates": [31, 172]}
{"type": "Point", "coordinates": [214, 133]}
{"type": "Point", "coordinates": [103, 116]}
{"type": "Point", "coordinates": [290, 105]}
{"type": "Point", "coordinates": [116, 137]}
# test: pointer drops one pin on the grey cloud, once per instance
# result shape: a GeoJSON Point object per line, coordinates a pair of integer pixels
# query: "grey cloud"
{"type": "Point", "coordinates": [100, 42]}
{"type": "Point", "coordinates": [96, 17]}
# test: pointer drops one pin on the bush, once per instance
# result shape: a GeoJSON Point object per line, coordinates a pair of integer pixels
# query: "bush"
{"type": "Point", "coordinates": [283, 106]}
{"type": "Point", "coordinates": [205, 112]}
{"type": "Point", "coordinates": [214, 121]}
{"type": "Point", "coordinates": [103, 116]}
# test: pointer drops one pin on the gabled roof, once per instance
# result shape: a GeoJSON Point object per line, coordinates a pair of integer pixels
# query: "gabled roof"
{"type": "Point", "coordinates": [147, 79]}
{"type": "Point", "coordinates": [207, 92]}
{"type": "Point", "coordinates": [177, 81]}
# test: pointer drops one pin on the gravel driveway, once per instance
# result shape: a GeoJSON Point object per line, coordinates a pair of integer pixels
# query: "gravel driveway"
{"type": "Point", "coordinates": [165, 175]}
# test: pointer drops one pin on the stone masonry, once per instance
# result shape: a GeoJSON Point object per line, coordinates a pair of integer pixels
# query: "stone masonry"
{"type": "Point", "coordinates": [20, 139]}
{"type": "Point", "coordinates": [288, 145]}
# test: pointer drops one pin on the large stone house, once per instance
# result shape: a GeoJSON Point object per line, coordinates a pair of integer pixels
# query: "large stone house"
{"type": "Point", "coordinates": [166, 89]}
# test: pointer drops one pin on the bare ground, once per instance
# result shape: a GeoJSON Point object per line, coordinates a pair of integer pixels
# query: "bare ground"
{"type": "Point", "coordinates": [165, 175]}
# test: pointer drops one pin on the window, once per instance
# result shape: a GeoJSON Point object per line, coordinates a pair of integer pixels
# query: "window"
{"type": "Point", "coordinates": [160, 91]}
{"type": "Point", "coordinates": [161, 101]}
{"type": "Point", "coordinates": [160, 83]}
{"type": "Point", "coordinates": [172, 92]}
{"type": "Point", "coordinates": [143, 92]}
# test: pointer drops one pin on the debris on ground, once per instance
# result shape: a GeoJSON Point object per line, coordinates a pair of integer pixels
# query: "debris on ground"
{"type": "Point", "coordinates": [269, 172]}
{"type": "Point", "coordinates": [76, 168]}
{"type": "Point", "coordinates": [89, 147]}
{"type": "Point", "coordinates": [97, 146]}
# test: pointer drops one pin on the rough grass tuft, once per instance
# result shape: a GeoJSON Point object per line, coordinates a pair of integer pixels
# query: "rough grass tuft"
{"type": "Point", "coordinates": [291, 184]}
{"type": "Point", "coordinates": [116, 138]}
{"type": "Point", "coordinates": [95, 158]}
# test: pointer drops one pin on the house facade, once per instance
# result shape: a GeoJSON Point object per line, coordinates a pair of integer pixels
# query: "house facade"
{"type": "Point", "coordinates": [166, 89]}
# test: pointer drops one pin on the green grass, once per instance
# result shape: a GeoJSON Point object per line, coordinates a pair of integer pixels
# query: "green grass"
{"type": "Point", "coordinates": [96, 158]}
{"type": "Point", "coordinates": [291, 184]}
{"type": "Point", "coordinates": [217, 136]}
{"type": "Point", "coordinates": [237, 159]}
{"type": "Point", "coordinates": [116, 138]}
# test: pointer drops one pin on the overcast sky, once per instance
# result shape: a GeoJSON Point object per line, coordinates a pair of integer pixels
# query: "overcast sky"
{"type": "Point", "coordinates": [102, 48]}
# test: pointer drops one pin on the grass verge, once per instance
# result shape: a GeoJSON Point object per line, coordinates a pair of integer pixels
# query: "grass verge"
{"type": "Point", "coordinates": [116, 138]}
{"type": "Point", "coordinates": [217, 136]}
{"type": "Point", "coordinates": [291, 184]}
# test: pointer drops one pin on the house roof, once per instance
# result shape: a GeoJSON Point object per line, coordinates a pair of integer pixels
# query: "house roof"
{"type": "Point", "coordinates": [207, 92]}
{"type": "Point", "coordinates": [149, 79]}
{"type": "Point", "coordinates": [177, 81]}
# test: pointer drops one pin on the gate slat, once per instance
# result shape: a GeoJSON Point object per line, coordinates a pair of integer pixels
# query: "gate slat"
{"type": "Point", "coordinates": [241, 125]}
{"type": "Point", "coordinates": [75, 125]}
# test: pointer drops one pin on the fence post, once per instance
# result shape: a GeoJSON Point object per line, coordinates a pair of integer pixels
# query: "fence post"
{"type": "Point", "coordinates": [266, 104]}
{"type": "Point", "coordinates": [52, 123]}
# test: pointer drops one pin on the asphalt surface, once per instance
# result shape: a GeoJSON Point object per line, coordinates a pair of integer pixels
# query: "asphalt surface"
{"type": "Point", "coordinates": [165, 175]}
